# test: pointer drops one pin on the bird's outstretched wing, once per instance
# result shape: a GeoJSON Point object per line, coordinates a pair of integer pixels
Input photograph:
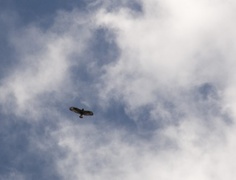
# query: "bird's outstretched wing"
{"type": "Point", "coordinates": [88, 113]}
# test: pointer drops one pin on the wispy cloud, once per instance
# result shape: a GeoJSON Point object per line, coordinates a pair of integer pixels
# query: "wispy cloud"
{"type": "Point", "coordinates": [169, 65]}
{"type": "Point", "coordinates": [43, 62]}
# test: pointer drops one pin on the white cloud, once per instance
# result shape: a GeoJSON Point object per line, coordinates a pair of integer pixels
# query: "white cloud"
{"type": "Point", "coordinates": [175, 72]}
{"type": "Point", "coordinates": [168, 55]}
{"type": "Point", "coordinates": [93, 153]}
{"type": "Point", "coordinates": [168, 51]}
{"type": "Point", "coordinates": [43, 62]}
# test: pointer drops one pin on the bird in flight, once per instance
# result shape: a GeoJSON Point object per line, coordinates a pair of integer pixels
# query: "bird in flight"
{"type": "Point", "coordinates": [82, 112]}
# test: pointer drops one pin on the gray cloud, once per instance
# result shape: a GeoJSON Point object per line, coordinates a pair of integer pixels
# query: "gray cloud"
{"type": "Point", "coordinates": [166, 70]}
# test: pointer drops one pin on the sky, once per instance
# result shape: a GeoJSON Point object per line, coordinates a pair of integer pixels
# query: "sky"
{"type": "Point", "coordinates": [159, 76]}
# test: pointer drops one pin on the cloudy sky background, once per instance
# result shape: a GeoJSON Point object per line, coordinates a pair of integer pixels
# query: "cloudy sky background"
{"type": "Point", "coordinates": [159, 76]}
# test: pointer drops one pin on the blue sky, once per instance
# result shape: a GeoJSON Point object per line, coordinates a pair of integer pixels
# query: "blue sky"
{"type": "Point", "coordinates": [158, 75]}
